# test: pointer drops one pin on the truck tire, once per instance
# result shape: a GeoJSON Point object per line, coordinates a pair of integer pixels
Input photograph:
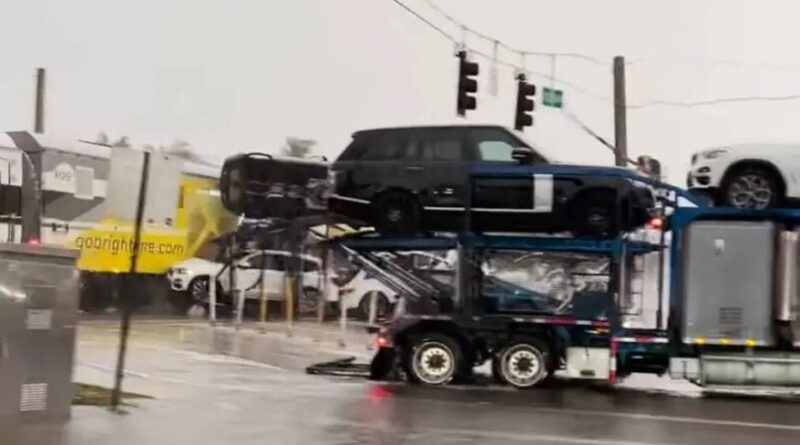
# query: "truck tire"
{"type": "Point", "coordinates": [433, 359]}
{"type": "Point", "coordinates": [593, 214]}
{"type": "Point", "coordinates": [383, 308]}
{"type": "Point", "coordinates": [180, 302]}
{"type": "Point", "coordinates": [524, 363]}
{"type": "Point", "coordinates": [308, 303]}
{"type": "Point", "coordinates": [95, 296]}
{"type": "Point", "coordinates": [751, 188]}
{"type": "Point", "coordinates": [397, 213]}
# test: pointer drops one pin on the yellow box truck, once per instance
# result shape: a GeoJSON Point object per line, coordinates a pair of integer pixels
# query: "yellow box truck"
{"type": "Point", "coordinates": [73, 182]}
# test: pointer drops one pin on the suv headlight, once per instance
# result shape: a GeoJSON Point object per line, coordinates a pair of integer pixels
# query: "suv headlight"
{"type": "Point", "coordinates": [713, 153]}
{"type": "Point", "coordinates": [179, 271]}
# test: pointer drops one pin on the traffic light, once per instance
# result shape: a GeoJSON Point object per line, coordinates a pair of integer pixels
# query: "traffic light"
{"type": "Point", "coordinates": [525, 92]}
{"type": "Point", "coordinates": [467, 85]}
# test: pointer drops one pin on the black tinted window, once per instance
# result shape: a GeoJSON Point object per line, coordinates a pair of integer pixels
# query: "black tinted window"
{"type": "Point", "coordinates": [310, 266]}
{"type": "Point", "coordinates": [268, 261]}
{"type": "Point", "coordinates": [353, 151]}
{"type": "Point", "coordinates": [377, 147]}
{"type": "Point", "coordinates": [10, 199]}
{"type": "Point", "coordinates": [279, 262]}
{"type": "Point", "coordinates": [438, 145]}
{"type": "Point", "coordinates": [384, 148]}
{"type": "Point", "coordinates": [441, 151]}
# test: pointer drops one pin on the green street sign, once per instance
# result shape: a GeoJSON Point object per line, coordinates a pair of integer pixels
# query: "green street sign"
{"type": "Point", "coordinates": [552, 97]}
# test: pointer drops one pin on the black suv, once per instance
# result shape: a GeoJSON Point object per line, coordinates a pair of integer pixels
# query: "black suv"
{"type": "Point", "coordinates": [405, 180]}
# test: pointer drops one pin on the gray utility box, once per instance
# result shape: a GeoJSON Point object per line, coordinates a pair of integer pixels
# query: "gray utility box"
{"type": "Point", "coordinates": [38, 314]}
{"type": "Point", "coordinates": [727, 284]}
{"type": "Point", "coordinates": [787, 286]}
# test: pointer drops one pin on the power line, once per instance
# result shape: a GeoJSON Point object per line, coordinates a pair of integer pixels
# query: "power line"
{"type": "Point", "coordinates": [574, 119]}
{"type": "Point", "coordinates": [585, 91]}
{"type": "Point", "coordinates": [502, 44]}
{"type": "Point", "coordinates": [541, 75]}
{"type": "Point", "coordinates": [721, 100]}
{"type": "Point", "coordinates": [501, 62]}
{"type": "Point", "coordinates": [428, 22]}
{"type": "Point", "coordinates": [698, 59]}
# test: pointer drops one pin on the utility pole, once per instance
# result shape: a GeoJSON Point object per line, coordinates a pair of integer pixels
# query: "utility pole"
{"type": "Point", "coordinates": [620, 115]}
{"type": "Point", "coordinates": [38, 119]}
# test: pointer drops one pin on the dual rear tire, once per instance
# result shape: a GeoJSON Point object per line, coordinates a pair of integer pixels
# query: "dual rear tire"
{"type": "Point", "coordinates": [437, 359]}
{"type": "Point", "coordinates": [434, 359]}
{"type": "Point", "coordinates": [523, 364]}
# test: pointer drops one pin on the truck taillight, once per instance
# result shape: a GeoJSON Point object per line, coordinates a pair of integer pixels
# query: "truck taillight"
{"type": "Point", "coordinates": [656, 223]}
{"type": "Point", "coordinates": [383, 341]}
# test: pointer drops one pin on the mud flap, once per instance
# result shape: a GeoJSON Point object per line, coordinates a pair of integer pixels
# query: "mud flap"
{"type": "Point", "coordinates": [343, 368]}
{"type": "Point", "coordinates": [383, 364]}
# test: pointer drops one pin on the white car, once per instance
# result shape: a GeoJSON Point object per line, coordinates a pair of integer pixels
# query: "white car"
{"type": "Point", "coordinates": [355, 293]}
{"type": "Point", "coordinates": [752, 176]}
{"type": "Point", "coordinates": [191, 277]}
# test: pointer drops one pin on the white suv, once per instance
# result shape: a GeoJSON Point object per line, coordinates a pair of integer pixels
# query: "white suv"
{"type": "Point", "coordinates": [752, 176]}
{"type": "Point", "coordinates": [190, 278]}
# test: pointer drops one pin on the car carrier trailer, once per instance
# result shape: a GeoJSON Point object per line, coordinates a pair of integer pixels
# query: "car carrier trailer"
{"type": "Point", "coordinates": [732, 318]}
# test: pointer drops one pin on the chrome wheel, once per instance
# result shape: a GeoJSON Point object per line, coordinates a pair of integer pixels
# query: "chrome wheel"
{"type": "Point", "coordinates": [434, 363]}
{"type": "Point", "coordinates": [750, 191]}
{"type": "Point", "coordinates": [198, 289]}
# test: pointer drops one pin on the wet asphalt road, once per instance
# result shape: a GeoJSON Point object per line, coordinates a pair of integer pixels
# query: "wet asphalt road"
{"type": "Point", "coordinates": [206, 398]}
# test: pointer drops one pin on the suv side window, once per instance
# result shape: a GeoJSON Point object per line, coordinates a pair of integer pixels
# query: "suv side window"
{"type": "Point", "coordinates": [310, 266]}
{"type": "Point", "coordinates": [499, 151]}
{"type": "Point", "coordinates": [355, 150]}
{"type": "Point", "coordinates": [387, 146]}
{"type": "Point", "coordinates": [255, 261]}
{"type": "Point", "coordinates": [495, 145]}
{"type": "Point", "coordinates": [438, 145]}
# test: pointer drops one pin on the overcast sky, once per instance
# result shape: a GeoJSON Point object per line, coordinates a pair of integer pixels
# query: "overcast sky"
{"type": "Point", "coordinates": [242, 75]}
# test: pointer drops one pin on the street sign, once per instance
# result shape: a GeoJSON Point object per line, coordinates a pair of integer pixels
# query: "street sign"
{"type": "Point", "coordinates": [552, 97]}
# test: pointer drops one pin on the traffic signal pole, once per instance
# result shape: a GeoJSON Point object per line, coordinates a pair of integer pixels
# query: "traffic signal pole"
{"type": "Point", "coordinates": [620, 115]}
